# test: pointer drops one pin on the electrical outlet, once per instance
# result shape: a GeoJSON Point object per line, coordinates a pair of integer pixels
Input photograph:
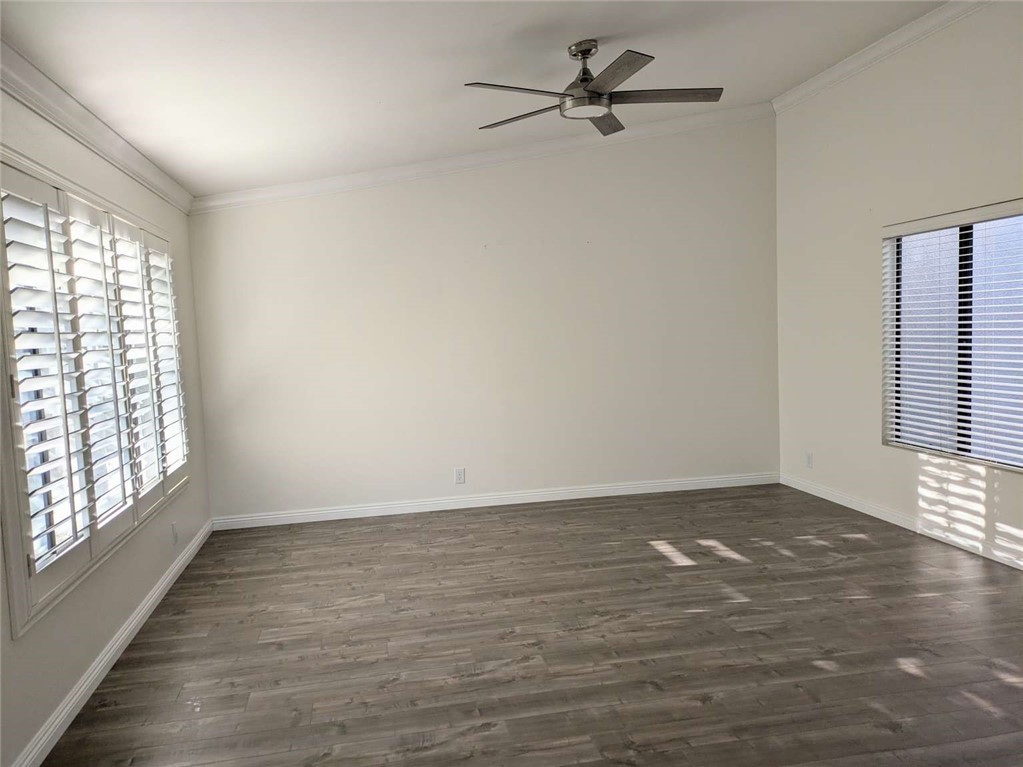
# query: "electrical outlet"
{"type": "Point", "coordinates": [460, 476]}
{"type": "Point", "coordinates": [809, 459]}
{"type": "Point", "coordinates": [174, 531]}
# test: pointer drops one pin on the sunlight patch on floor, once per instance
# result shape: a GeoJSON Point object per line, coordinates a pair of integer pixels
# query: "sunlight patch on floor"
{"type": "Point", "coordinates": [983, 704]}
{"type": "Point", "coordinates": [780, 549]}
{"type": "Point", "coordinates": [722, 551]}
{"type": "Point", "coordinates": [676, 557]}
{"type": "Point", "coordinates": [911, 666]}
{"type": "Point", "coordinates": [1009, 673]}
{"type": "Point", "coordinates": [733, 594]}
{"type": "Point", "coordinates": [814, 540]}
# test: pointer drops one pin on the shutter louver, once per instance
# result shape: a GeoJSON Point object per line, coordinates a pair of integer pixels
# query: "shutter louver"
{"type": "Point", "coordinates": [953, 340]}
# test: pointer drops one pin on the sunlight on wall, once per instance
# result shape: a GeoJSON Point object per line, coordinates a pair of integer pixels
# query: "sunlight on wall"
{"type": "Point", "coordinates": [952, 498]}
{"type": "Point", "coordinates": [958, 503]}
{"type": "Point", "coordinates": [1008, 545]}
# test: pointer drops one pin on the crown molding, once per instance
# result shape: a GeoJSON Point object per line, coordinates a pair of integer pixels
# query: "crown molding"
{"type": "Point", "coordinates": [914, 32]}
{"type": "Point", "coordinates": [24, 82]}
{"type": "Point", "coordinates": [465, 162]}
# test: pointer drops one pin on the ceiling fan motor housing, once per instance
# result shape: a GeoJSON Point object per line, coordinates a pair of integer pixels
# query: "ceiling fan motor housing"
{"type": "Point", "coordinates": [579, 103]}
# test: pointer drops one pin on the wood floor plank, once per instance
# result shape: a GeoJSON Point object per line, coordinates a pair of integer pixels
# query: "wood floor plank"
{"type": "Point", "coordinates": [782, 630]}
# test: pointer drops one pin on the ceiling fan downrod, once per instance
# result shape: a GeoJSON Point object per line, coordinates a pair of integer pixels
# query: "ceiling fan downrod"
{"type": "Point", "coordinates": [581, 52]}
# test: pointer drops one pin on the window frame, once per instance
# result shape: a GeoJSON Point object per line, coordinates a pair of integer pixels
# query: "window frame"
{"type": "Point", "coordinates": [34, 593]}
{"type": "Point", "coordinates": [891, 343]}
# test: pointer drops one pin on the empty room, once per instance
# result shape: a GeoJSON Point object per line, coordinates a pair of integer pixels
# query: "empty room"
{"type": "Point", "coordinates": [511, 384]}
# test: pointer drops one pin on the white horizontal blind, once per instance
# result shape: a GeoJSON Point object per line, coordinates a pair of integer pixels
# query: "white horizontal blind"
{"type": "Point", "coordinates": [99, 412]}
{"type": "Point", "coordinates": [953, 340]}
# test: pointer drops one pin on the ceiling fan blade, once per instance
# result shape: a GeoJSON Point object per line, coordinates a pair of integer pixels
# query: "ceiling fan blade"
{"type": "Point", "coordinates": [512, 88]}
{"type": "Point", "coordinates": [607, 124]}
{"type": "Point", "coordinates": [618, 71]}
{"type": "Point", "coordinates": [667, 96]}
{"type": "Point", "coordinates": [519, 117]}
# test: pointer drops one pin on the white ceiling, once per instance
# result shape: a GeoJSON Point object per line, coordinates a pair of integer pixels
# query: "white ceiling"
{"type": "Point", "coordinates": [229, 96]}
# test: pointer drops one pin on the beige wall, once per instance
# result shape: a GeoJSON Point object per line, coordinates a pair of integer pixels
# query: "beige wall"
{"type": "Point", "coordinates": [937, 127]}
{"type": "Point", "coordinates": [42, 666]}
{"type": "Point", "coordinates": [596, 317]}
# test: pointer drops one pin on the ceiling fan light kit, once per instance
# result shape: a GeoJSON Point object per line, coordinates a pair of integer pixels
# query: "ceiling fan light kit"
{"type": "Point", "coordinates": [592, 98]}
{"type": "Point", "coordinates": [585, 107]}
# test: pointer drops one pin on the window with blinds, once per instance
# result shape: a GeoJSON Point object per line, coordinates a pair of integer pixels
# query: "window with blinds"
{"type": "Point", "coordinates": [91, 337]}
{"type": "Point", "coordinates": [953, 339]}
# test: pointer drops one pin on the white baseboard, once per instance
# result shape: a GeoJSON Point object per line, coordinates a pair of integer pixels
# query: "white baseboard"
{"type": "Point", "coordinates": [491, 499]}
{"type": "Point", "coordinates": [895, 516]}
{"type": "Point", "coordinates": [44, 740]}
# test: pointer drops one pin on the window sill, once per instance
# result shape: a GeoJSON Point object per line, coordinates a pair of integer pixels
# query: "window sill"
{"type": "Point", "coordinates": [959, 457]}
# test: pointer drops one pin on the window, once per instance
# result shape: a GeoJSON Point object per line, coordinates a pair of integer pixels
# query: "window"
{"type": "Point", "coordinates": [91, 352]}
{"type": "Point", "coordinates": [953, 336]}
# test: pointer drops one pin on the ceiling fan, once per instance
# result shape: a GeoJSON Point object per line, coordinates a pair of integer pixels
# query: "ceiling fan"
{"type": "Point", "coordinates": [591, 98]}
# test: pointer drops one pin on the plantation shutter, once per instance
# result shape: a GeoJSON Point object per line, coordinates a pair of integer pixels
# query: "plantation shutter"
{"type": "Point", "coordinates": [129, 274]}
{"type": "Point", "coordinates": [163, 326]}
{"type": "Point", "coordinates": [92, 345]}
{"type": "Point", "coordinates": [953, 339]}
{"type": "Point", "coordinates": [103, 369]}
{"type": "Point", "coordinates": [45, 383]}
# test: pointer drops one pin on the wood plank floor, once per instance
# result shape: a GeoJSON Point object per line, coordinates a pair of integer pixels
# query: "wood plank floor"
{"type": "Point", "coordinates": [767, 627]}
